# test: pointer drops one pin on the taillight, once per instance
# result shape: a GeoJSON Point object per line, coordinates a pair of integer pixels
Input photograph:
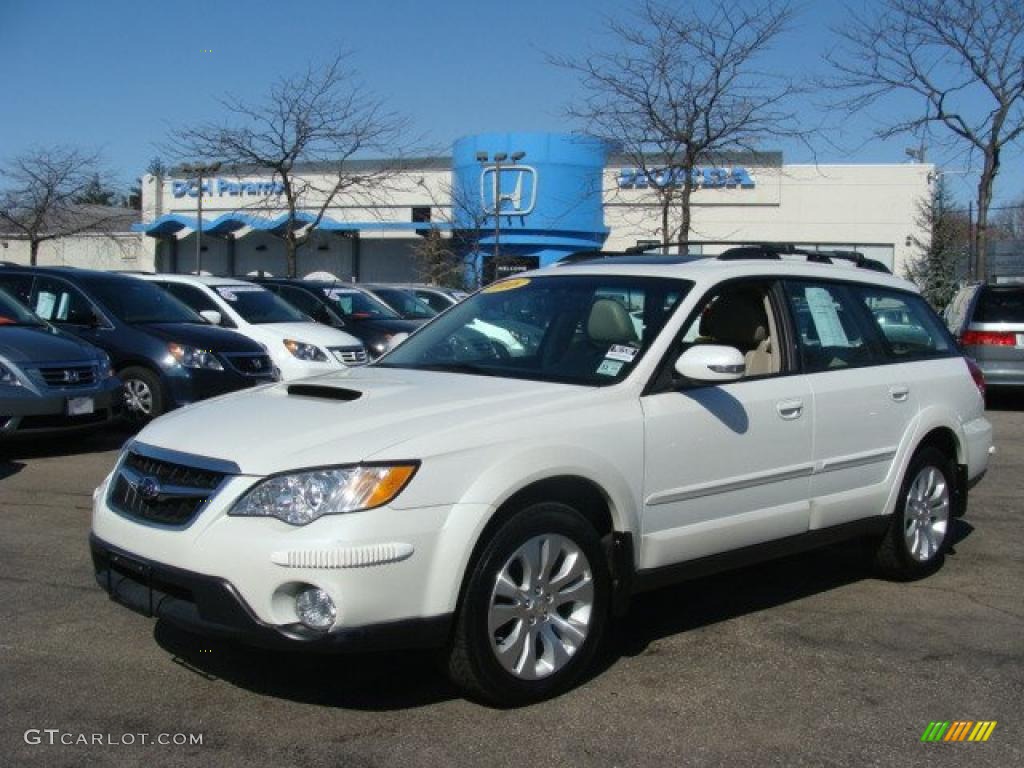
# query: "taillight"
{"type": "Point", "coordinates": [976, 374]}
{"type": "Point", "coordinates": [989, 339]}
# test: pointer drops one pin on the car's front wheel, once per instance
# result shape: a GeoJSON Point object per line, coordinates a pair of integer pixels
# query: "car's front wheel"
{"type": "Point", "coordinates": [143, 398]}
{"type": "Point", "coordinates": [534, 608]}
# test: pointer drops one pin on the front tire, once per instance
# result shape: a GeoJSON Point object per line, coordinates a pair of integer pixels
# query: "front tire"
{"type": "Point", "coordinates": [534, 608]}
{"type": "Point", "coordinates": [919, 534]}
{"type": "Point", "coordinates": [143, 397]}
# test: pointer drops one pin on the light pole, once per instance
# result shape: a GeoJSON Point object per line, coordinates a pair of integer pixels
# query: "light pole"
{"type": "Point", "coordinates": [499, 158]}
{"type": "Point", "coordinates": [200, 170]}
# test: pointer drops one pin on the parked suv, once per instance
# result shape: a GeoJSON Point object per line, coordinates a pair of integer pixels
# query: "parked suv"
{"type": "Point", "coordinates": [988, 321]}
{"type": "Point", "coordinates": [166, 355]}
{"type": "Point", "coordinates": [298, 346]}
{"type": "Point", "coordinates": [676, 416]}
{"type": "Point", "coordinates": [49, 380]}
{"type": "Point", "coordinates": [344, 306]}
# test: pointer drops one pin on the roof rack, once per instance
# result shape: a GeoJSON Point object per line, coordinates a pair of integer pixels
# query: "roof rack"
{"type": "Point", "coordinates": [776, 251]}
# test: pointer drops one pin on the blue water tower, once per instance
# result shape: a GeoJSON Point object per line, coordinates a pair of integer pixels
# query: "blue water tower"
{"type": "Point", "coordinates": [544, 188]}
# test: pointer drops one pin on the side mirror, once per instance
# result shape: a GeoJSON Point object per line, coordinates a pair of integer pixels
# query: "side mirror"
{"type": "Point", "coordinates": [211, 316]}
{"type": "Point", "coordinates": [711, 363]}
{"type": "Point", "coordinates": [397, 339]}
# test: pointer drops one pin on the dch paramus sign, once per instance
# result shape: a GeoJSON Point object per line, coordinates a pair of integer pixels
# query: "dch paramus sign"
{"type": "Point", "coordinates": [228, 188]}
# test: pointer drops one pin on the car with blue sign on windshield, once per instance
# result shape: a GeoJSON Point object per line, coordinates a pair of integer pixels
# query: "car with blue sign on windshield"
{"type": "Point", "coordinates": [166, 354]}
{"type": "Point", "coordinates": [50, 381]}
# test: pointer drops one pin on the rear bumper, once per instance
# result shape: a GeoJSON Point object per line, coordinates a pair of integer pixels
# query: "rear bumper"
{"type": "Point", "coordinates": [212, 606]}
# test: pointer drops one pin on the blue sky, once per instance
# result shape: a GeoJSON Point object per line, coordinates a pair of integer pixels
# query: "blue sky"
{"type": "Point", "coordinates": [117, 74]}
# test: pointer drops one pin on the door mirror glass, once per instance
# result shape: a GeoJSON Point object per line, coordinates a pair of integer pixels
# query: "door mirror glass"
{"type": "Point", "coordinates": [711, 363]}
{"type": "Point", "coordinates": [212, 316]}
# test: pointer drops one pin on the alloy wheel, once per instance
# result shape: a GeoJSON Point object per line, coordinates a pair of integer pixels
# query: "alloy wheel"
{"type": "Point", "coordinates": [926, 514]}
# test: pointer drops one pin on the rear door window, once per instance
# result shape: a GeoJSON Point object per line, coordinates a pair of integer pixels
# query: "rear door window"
{"type": "Point", "coordinates": [59, 302]}
{"type": "Point", "coordinates": [1000, 305]}
{"type": "Point", "coordinates": [831, 334]}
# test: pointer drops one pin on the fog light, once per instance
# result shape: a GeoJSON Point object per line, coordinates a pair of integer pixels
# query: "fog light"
{"type": "Point", "coordinates": [315, 608]}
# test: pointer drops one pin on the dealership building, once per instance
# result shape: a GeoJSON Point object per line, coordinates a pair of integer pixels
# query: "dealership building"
{"type": "Point", "coordinates": [556, 194]}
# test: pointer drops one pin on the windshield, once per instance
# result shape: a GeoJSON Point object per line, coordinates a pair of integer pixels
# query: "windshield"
{"type": "Point", "coordinates": [136, 301]}
{"type": "Point", "coordinates": [13, 313]}
{"type": "Point", "coordinates": [257, 305]}
{"type": "Point", "coordinates": [1000, 306]}
{"type": "Point", "coordinates": [405, 303]}
{"type": "Point", "coordinates": [579, 329]}
{"type": "Point", "coordinates": [356, 305]}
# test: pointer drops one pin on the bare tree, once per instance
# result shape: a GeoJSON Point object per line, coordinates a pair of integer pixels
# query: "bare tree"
{"type": "Point", "coordinates": [324, 116]}
{"type": "Point", "coordinates": [45, 194]}
{"type": "Point", "coordinates": [963, 60]}
{"type": "Point", "coordinates": [680, 86]}
{"type": "Point", "coordinates": [1008, 221]}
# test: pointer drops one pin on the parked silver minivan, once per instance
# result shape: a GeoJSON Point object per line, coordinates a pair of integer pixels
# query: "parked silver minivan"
{"type": "Point", "coordinates": [988, 322]}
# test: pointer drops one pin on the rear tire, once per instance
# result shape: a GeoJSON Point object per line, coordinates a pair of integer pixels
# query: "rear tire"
{"type": "Point", "coordinates": [534, 609]}
{"type": "Point", "coordinates": [919, 534]}
{"type": "Point", "coordinates": [143, 398]}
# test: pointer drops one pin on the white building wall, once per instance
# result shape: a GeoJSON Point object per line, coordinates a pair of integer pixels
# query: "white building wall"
{"type": "Point", "coordinates": [115, 252]}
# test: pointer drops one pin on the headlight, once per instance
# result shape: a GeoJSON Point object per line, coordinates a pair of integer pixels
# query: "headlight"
{"type": "Point", "coordinates": [8, 377]}
{"type": "Point", "coordinates": [190, 357]}
{"type": "Point", "coordinates": [303, 497]}
{"type": "Point", "coordinates": [304, 351]}
{"type": "Point", "coordinates": [382, 346]}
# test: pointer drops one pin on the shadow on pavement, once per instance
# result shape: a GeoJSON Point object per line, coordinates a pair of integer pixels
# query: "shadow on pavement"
{"type": "Point", "coordinates": [369, 681]}
{"type": "Point", "coordinates": [404, 680]}
{"type": "Point", "coordinates": [8, 468]}
{"type": "Point", "coordinates": [1008, 399]}
{"type": "Point", "coordinates": [70, 444]}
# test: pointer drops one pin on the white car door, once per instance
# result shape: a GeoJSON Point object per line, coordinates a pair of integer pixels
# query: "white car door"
{"type": "Point", "coordinates": [728, 466]}
{"type": "Point", "coordinates": [864, 402]}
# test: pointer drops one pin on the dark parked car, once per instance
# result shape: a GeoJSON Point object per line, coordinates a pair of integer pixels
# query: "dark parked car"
{"type": "Point", "coordinates": [437, 297]}
{"type": "Point", "coordinates": [988, 322]}
{"type": "Point", "coordinates": [49, 380]}
{"type": "Point", "coordinates": [343, 306]}
{"type": "Point", "coordinates": [166, 355]}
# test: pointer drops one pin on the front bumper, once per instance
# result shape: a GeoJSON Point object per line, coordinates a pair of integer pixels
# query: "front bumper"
{"type": "Point", "coordinates": [185, 386]}
{"type": "Point", "coordinates": [28, 412]}
{"type": "Point", "coordinates": [211, 605]}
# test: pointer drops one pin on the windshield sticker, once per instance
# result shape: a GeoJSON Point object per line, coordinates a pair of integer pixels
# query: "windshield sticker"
{"type": "Point", "coordinates": [228, 291]}
{"type": "Point", "coordinates": [826, 318]}
{"type": "Point", "coordinates": [622, 352]}
{"type": "Point", "coordinates": [610, 367]}
{"type": "Point", "coordinates": [506, 285]}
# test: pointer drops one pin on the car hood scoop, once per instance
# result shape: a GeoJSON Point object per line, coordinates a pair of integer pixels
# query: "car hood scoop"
{"type": "Point", "coordinates": [323, 392]}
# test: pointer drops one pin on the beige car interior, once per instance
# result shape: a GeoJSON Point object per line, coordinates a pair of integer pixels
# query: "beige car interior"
{"type": "Point", "coordinates": [610, 323]}
{"type": "Point", "coordinates": [743, 318]}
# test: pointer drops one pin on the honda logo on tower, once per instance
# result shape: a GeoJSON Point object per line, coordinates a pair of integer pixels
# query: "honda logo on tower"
{"type": "Point", "coordinates": [515, 190]}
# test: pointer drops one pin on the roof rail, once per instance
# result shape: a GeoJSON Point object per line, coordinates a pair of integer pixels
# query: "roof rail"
{"type": "Point", "coordinates": [776, 251]}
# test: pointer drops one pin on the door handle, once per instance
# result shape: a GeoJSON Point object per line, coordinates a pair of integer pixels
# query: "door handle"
{"type": "Point", "coordinates": [790, 409]}
{"type": "Point", "coordinates": [899, 394]}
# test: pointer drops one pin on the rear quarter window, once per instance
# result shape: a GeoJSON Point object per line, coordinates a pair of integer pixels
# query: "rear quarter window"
{"type": "Point", "coordinates": [909, 328]}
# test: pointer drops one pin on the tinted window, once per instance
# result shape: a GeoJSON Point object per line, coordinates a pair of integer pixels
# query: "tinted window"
{"type": "Point", "coordinates": [356, 304]}
{"type": "Point", "coordinates": [1000, 305]}
{"type": "Point", "coordinates": [435, 301]}
{"type": "Point", "coordinates": [60, 302]}
{"type": "Point", "coordinates": [19, 286]}
{"type": "Point", "coordinates": [405, 304]}
{"type": "Point", "coordinates": [257, 305]}
{"type": "Point", "coordinates": [830, 334]}
{"type": "Point", "coordinates": [574, 329]}
{"type": "Point", "coordinates": [194, 297]}
{"type": "Point", "coordinates": [13, 313]}
{"type": "Point", "coordinates": [909, 326]}
{"type": "Point", "coordinates": [136, 301]}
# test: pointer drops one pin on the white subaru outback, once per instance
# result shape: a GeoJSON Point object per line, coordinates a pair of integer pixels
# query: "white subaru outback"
{"type": "Point", "coordinates": [661, 418]}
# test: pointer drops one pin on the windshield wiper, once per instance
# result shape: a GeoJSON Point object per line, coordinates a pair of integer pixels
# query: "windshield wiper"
{"type": "Point", "coordinates": [470, 368]}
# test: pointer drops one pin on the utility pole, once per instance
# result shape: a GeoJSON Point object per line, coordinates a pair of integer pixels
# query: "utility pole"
{"type": "Point", "coordinates": [200, 171]}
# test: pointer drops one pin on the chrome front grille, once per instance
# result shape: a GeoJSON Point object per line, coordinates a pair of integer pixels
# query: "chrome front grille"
{"type": "Point", "coordinates": [68, 375]}
{"type": "Point", "coordinates": [350, 355]}
{"type": "Point", "coordinates": [161, 492]}
{"type": "Point", "coordinates": [251, 365]}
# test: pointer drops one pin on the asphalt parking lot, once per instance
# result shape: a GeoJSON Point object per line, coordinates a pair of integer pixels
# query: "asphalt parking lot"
{"type": "Point", "coordinates": [806, 661]}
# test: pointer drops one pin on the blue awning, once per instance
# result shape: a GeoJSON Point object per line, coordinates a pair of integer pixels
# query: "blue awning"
{"type": "Point", "coordinates": [172, 223]}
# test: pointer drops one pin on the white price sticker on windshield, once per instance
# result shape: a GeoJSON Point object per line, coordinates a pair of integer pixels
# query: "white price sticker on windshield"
{"type": "Point", "coordinates": [622, 352]}
{"type": "Point", "coordinates": [228, 292]}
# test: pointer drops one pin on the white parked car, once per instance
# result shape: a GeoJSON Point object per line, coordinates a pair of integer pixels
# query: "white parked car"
{"type": "Point", "coordinates": [505, 507]}
{"type": "Point", "coordinates": [298, 346]}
